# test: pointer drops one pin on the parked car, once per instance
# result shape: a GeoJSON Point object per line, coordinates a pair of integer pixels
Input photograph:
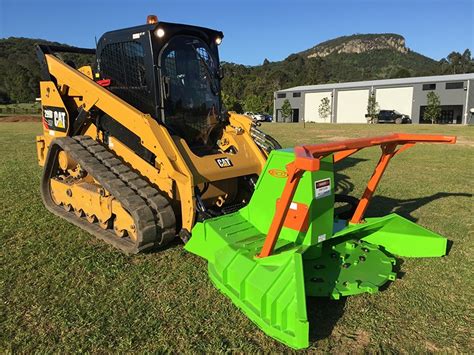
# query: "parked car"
{"type": "Point", "coordinates": [250, 114]}
{"type": "Point", "coordinates": [268, 118]}
{"type": "Point", "coordinates": [255, 116]}
{"type": "Point", "coordinates": [392, 116]}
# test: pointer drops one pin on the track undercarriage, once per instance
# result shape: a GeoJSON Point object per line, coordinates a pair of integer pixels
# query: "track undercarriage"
{"type": "Point", "coordinates": [89, 186]}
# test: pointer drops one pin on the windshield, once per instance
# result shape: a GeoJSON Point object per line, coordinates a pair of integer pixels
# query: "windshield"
{"type": "Point", "coordinates": [191, 85]}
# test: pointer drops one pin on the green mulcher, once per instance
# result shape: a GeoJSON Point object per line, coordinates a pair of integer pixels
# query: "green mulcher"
{"type": "Point", "coordinates": [288, 243]}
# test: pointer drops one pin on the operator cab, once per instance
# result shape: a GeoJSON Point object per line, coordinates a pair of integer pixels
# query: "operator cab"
{"type": "Point", "coordinates": [170, 71]}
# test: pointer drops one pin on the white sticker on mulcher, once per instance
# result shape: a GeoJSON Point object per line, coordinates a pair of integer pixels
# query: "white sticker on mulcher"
{"type": "Point", "coordinates": [322, 188]}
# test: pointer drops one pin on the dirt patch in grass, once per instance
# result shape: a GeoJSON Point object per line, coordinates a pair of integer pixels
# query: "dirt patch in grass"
{"type": "Point", "coordinates": [354, 342]}
{"type": "Point", "coordinates": [337, 138]}
{"type": "Point", "coordinates": [431, 347]}
{"type": "Point", "coordinates": [20, 118]}
{"type": "Point", "coordinates": [464, 141]}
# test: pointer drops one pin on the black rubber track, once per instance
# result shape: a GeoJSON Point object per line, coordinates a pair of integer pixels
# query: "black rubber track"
{"type": "Point", "coordinates": [150, 210]}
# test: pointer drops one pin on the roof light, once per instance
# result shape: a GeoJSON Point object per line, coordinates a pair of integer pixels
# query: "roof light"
{"type": "Point", "coordinates": [151, 19]}
{"type": "Point", "coordinates": [160, 32]}
{"type": "Point", "coordinates": [218, 40]}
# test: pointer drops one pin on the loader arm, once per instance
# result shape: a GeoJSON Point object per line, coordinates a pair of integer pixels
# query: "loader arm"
{"type": "Point", "coordinates": [154, 137]}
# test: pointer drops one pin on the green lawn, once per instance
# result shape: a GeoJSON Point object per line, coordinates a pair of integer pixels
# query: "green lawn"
{"type": "Point", "coordinates": [63, 291]}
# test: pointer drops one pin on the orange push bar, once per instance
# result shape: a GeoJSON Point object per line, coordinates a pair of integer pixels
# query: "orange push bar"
{"type": "Point", "coordinates": [308, 159]}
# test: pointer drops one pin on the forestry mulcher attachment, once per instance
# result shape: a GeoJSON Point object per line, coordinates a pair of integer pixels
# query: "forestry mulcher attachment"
{"type": "Point", "coordinates": [138, 151]}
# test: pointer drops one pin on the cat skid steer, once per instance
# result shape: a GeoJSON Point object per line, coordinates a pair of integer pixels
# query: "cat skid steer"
{"type": "Point", "coordinates": [138, 151]}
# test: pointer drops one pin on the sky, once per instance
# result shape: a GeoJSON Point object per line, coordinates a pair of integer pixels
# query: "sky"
{"type": "Point", "coordinates": [253, 30]}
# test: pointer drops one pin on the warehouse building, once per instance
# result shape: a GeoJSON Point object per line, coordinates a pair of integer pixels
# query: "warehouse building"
{"type": "Point", "coordinates": [348, 101]}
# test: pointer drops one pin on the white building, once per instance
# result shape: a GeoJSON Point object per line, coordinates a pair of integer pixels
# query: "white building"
{"type": "Point", "coordinates": [348, 101]}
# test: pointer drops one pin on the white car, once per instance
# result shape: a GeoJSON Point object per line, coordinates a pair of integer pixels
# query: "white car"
{"type": "Point", "coordinates": [250, 114]}
{"type": "Point", "coordinates": [255, 116]}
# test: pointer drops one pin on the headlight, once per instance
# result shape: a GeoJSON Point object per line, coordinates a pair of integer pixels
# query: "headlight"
{"type": "Point", "coordinates": [218, 40]}
{"type": "Point", "coordinates": [160, 32]}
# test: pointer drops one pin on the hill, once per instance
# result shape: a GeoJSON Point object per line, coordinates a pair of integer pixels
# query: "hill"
{"type": "Point", "coordinates": [343, 59]}
{"type": "Point", "coordinates": [20, 71]}
{"type": "Point", "coordinates": [250, 88]}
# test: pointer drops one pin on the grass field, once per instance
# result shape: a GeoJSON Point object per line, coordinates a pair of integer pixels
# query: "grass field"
{"type": "Point", "coordinates": [63, 291]}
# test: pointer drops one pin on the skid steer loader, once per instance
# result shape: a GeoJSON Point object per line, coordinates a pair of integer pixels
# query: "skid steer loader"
{"type": "Point", "coordinates": [137, 150]}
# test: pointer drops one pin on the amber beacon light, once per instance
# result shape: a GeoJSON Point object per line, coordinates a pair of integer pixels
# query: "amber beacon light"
{"type": "Point", "coordinates": [151, 19]}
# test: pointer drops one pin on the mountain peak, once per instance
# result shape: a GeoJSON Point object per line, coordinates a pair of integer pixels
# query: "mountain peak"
{"type": "Point", "coordinates": [358, 43]}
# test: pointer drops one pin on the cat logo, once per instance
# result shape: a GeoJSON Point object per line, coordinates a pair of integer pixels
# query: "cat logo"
{"type": "Point", "coordinates": [59, 119]}
{"type": "Point", "coordinates": [224, 162]}
{"type": "Point", "coordinates": [55, 118]}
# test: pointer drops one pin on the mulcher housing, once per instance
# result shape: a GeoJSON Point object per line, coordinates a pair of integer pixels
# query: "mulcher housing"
{"type": "Point", "coordinates": [287, 244]}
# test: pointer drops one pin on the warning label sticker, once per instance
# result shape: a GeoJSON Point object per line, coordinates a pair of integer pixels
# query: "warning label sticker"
{"type": "Point", "coordinates": [322, 188]}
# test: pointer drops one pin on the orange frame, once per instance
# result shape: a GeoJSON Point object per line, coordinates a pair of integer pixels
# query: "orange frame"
{"type": "Point", "coordinates": [308, 159]}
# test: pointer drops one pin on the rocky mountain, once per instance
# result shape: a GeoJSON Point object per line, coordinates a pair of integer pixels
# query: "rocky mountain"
{"type": "Point", "coordinates": [359, 43]}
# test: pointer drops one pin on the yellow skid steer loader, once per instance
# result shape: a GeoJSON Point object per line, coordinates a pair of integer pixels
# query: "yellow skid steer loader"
{"type": "Point", "coordinates": [137, 148]}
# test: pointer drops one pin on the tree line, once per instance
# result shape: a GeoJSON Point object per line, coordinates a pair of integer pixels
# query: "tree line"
{"type": "Point", "coordinates": [248, 88]}
{"type": "Point", "coordinates": [20, 71]}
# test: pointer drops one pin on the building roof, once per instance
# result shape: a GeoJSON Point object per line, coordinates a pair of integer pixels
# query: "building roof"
{"type": "Point", "coordinates": [402, 81]}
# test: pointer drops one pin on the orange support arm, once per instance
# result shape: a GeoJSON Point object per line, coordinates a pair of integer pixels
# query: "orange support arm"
{"type": "Point", "coordinates": [308, 159]}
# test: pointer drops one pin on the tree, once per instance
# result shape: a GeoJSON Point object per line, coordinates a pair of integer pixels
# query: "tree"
{"type": "Point", "coordinates": [433, 109]}
{"type": "Point", "coordinates": [254, 103]}
{"type": "Point", "coordinates": [4, 99]}
{"type": "Point", "coordinates": [400, 73]}
{"type": "Point", "coordinates": [324, 109]}
{"type": "Point", "coordinates": [468, 61]}
{"type": "Point", "coordinates": [286, 109]}
{"type": "Point", "coordinates": [457, 63]}
{"type": "Point", "coordinates": [16, 84]}
{"type": "Point", "coordinates": [231, 103]}
{"type": "Point", "coordinates": [455, 60]}
{"type": "Point", "coordinates": [372, 109]}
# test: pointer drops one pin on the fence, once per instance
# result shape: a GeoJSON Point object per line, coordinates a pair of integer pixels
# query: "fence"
{"type": "Point", "coordinates": [20, 110]}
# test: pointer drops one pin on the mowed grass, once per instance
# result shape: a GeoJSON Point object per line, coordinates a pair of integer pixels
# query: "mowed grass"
{"type": "Point", "coordinates": [63, 291]}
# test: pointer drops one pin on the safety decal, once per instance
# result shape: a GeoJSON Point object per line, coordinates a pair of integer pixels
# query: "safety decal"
{"type": "Point", "coordinates": [322, 188]}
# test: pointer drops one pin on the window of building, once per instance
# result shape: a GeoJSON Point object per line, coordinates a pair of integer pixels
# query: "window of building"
{"type": "Point", "coordinates": [429, 87]}
{"type": "Point", "coordinates": [293, 117]}
{"type": "Point", "coordinates": [281, 96]}
{"type": "Point", "coordinates": [296, 94]}
{"type": "Point", "coordinates": [451, 114]}
{"type": "Point", "coordinates": [457, 85]}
